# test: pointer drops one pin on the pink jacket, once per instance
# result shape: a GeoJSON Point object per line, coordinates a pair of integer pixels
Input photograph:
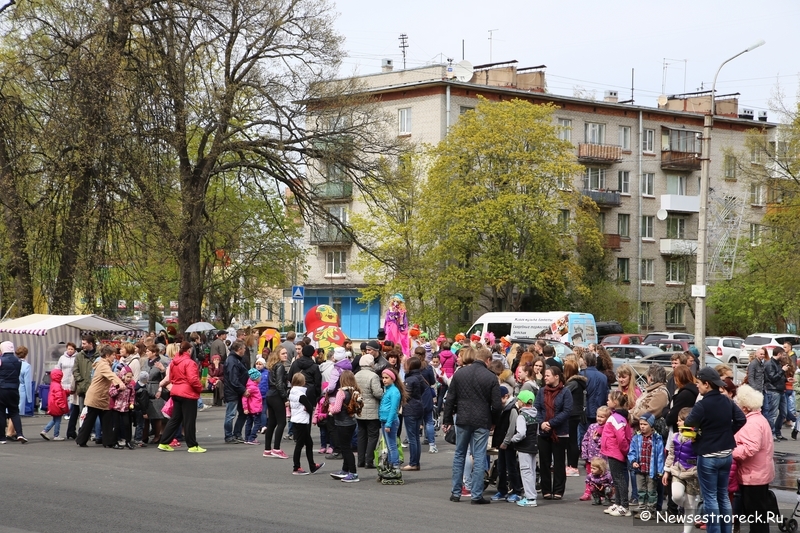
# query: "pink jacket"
{"type": "Point", "coordinates": [753, 452]}
{"type": "Point", "coordinates": [448, 360]}
{"type": "Point", "coordinates": [616, 438]}
{"type": "Point", "coordinates": [252, 404]}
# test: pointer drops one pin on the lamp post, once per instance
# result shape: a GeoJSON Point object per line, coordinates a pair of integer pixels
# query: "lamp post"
{"type": "Point", "coordinates": [699, 289]}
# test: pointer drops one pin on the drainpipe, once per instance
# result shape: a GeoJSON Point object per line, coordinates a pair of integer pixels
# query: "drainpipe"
{"type": "Point", "coordinates": [447, 110]}
{"type": "Point", "coordinates": [639, 237]}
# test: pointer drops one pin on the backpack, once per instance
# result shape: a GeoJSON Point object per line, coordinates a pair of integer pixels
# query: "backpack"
{"type": "Point", "coordinates": [355, 404]}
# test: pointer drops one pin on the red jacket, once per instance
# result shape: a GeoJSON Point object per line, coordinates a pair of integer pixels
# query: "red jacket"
{"type": "Point", "coordinates": [57, 399]}
{"type": "Point", "coordinates": [185, 378]}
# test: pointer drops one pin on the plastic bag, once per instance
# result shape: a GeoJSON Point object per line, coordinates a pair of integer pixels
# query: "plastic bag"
{"type": "Point", "coordinates": [167, 409]}
{"type": "Point", "coordinates": [381, 450]}
{"type": "Point", "coordinates": [83, 416]}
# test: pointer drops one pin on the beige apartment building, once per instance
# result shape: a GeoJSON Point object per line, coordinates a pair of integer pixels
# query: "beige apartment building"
{"type": "Point", "coordinates": [642, 169]}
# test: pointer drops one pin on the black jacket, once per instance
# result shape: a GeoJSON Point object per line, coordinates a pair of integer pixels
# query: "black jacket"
{"type": "Point", "coordinates": [685, 397]}
{"type": "Point", "coordinates": [310, 370]}
{"type": "Point", "coordinates": [235, 378]}
{"type": "Point", "coordinates": [576, 386]}
{"type": "Point", "coordinates": [277, 382]}
{"type": "Point", "coordinates": [415, 389]}
{"type": "Point", "coordinates": [10, 367]}
{"type": "Point", "coordinates": [774, 376]}
{"type": "Point", "coordinates": [718, 419]}
{"type": "Point", "coordinates": [474, 396]}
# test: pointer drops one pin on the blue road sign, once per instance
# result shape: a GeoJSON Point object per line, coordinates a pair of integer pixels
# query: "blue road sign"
{"type": "Point", "coordinates": [298, 292]}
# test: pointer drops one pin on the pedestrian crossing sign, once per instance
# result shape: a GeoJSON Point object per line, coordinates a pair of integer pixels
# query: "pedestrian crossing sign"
{"type": "Point", "coordinates": [298, 292]}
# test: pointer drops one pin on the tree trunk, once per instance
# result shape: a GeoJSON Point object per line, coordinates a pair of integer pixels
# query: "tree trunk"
{"type": "Point", "coordinates": [190, 298]}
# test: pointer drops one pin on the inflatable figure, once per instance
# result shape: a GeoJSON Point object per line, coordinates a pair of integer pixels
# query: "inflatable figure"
{"type": "Point", "coordinates": [322, 325]}
{"type": "Point", "coordinates": [396, 323]}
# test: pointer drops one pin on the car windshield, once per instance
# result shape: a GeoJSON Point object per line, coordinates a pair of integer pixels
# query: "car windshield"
{"type": "Point", "coordinates": [649, 350]}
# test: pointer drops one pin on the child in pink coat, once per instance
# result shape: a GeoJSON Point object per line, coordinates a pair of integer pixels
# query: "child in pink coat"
{"type": "Point", "coordinates": [614, 444]}
{"type": "Point", "coordinates": [56, 405]}
{"type": "Point", "coordinates": [252, 405]}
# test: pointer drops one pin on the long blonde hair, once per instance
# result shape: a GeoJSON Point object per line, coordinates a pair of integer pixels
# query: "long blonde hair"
{"type": "Point", "coordinates": [627, 370]}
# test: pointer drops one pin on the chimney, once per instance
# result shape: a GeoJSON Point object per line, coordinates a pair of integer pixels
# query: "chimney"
{"type": "Point", "coordinates": [746, 114]}
{"type": "Point", "coordinates": [762, 116]}
{"type": "Point", "coordinates": [611, 96]}
{"type": "Point", "coordinates": [387, 65]}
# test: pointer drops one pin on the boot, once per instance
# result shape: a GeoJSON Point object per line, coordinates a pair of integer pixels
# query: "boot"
{"type": "Point", "coordinates": [596, 499]}
{"type": "Point", "coordinates": [586, 494]}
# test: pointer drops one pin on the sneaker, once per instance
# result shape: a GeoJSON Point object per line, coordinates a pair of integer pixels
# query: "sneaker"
{"type": "Point", "coordinates": [262, 430]}
{"type": "Point", "coordinates": [252, 442]}
{"type": "Point", "coordinates": [205, 408]}
{"type": "Point", "coordinates": [572, 472]}
{"type": "Point", "coordinates": [610, 510]}
{"type": "Point", "coordinates": [175, 443]}
{"type": "Point", "coordinates": [513, 498]}
{"type": "Point", "coordinates": [328, 450]}
{"type": "Point", "coordinates": [333, 456]}
{"type": "Point", "coordinates": [465, 491]}
{"type": "Point", "coordinates": [524, 502]}
{"type": "Point", "coordinates": [499, 496]}
{"type": "Point", "coordinates": [620, 511]}
{"type": "Point", "coordinates": [66, 417]}
{"type": "Point", "coordinates": [58, 438]}
{"type": "Point", "coordinates": [166, 448]}
{"type": "Point", "coordinates": [267, 453]}
{"type": "Point", "coordinates": [22, 439]}
{"type": "Point", "coordinates": [44, 435]}
{"type": "Point", "coordinates": [231, 441]}
{"type": "Point", "coordinates": [351, 478]}
{"type": "Point", "coordinates": [404, 444]}
{"type": "Point", "coordinates": [3, 441]}
{"type": "Point", "coordinates": [339, 474]}
{"type": "Point", "coordinates": [322, 451]}
{"type": "Point", "coordinates": [196, 449]}
{"type": "Point", "coordinates": [633, 503]}
{"type": "Point", "coordinates": [279, 454]}
{"type": "Point", "coordinates": [299, 472]}
{"type": "Point", "coordinates": [238, 440]}
{"type": "Point", "coordinates": [433, 449]}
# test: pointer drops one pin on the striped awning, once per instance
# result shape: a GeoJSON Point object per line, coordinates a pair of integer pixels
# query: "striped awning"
{"type": "Point", "coordinates": [39, 324]}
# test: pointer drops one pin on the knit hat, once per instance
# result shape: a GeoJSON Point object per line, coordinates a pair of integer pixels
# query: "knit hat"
{"type": "Point", "coordinates": [7, 347]}
{"type": "Point", "coordinates": [503, 390]}
{"type": "Point", "coordinates": [339, 353]}
{"type": "Point", "coordinates": [261, 360]}
{"type": "Point", "coordinates": [144, 377]}
{"type": "Point", "coordinates": [374, 345]}
{"type": "Point", "coordinates": [253, 374]}
{"type": "Point", "coordinates": [366, 360]}
{"type": "Point", "coordinates": [526, 396]}
{"type": "Point", "coordinates": [308, 351]}
{"type": "Point", "coordinates": [649, 418]}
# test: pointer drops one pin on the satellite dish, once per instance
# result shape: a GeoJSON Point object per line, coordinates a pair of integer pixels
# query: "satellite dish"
{"type": "Point", "coordinates": [463, 71]}
{"type": "Point", "coordinates": [661, 214]}
{"type": "Point", "coordinates": [662, 100]}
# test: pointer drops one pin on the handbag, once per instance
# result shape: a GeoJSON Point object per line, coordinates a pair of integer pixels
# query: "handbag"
{"type": "Point", "coordinates": [167, 409]}
{"type": "Point", "coordinates": [450, 436]}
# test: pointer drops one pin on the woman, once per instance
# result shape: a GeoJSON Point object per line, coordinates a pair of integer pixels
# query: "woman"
{"type": "Point", "coordinates": [685, 394]}
{"type": "Point", "coordinates": [25, 384]}
{"type": "Point", "coordinates": [627, 385]}
{"type": "Point", "coordinates": [131, 358]}
{"type": "Point", "coordinates": [277, 401]}
{"type": "Point", "coordinates": [655, 399]}
{"type": "Point", "coordinates": [216, 378]}
{"type": "Point", "coordinates": [576, 385]}
{"type": "Point", "coordinates": [185, 380]}
{"type": "Point", "coordinates": [605, 364]}
{"type": "Point", "coordinates": [554, 405]}
{"type": "Point", "coordinates": [156, 368]}
{"type": "Point", "coordinates": [413, 412]}
{"type": "Point", "coordinates": [753, 455]}
{"type": "Point", "coordinates": [10, 368]}
{"type": "Point", "coordinates": [717, 419]}
{"type": "Point", "coordinates": [97, 399]}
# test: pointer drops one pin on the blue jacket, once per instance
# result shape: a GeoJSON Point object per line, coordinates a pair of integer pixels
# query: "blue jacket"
{"type": "Point", "coordinates": [559, 424]}
{"type": "Point", "coordinates": [596, 390]}
{"type": "Point", "coordinates": [656, 457]}
{"type": "Point", "coordinates": [10, 367]}
{"type": "Point", "coordinates": [718, 419]}
{"type": "Point", "coordinates": [390, 404]}
{"type": "Point", "coordinates": [263, 385]}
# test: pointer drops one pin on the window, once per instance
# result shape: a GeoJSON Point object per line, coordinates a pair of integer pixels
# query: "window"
{"type": "Point", "coordinates": [625, 137]}
{"type": "Point", "coordinates": [756, 154]}
{"type": "Point", "coordinates": [282, 312]}
{"type": "Point", "coordinates": [682, 140]}
{"type": "Point", "coordinates": [648, 223]}
{"type": "Point", "coordinates": [563, 183]}
{"type": "Point", "coordinates": [404, 121]}
{"type": "Point", "coordinates": [463, 109]}
{"type": "Point", "coordinates": [258, 311]}
{"type": "Point", "coordinates": [623, 269]}
{"type": "Point", "coordinates": [757, 195]}
{"type": "Point", "coordinates": [563, 220]}
{"type": "Point", "coordinates": [730, 167]}
{"type": "Point", "coordinates": [676, 228]}
{"type": "Point", "coordinates": [676, 185]}
{"type": "Point", "coordinates": [594, 179]}
{"type": "Point", "coordinates": [676, 271]}
{"type": "Point", "coordinates": [646, 273]}
{"type": "Point", "coordinates": [648, 141]}
{"type": "Point", "coordinates": [755, 234]}
{"type": "Point", "coordinates": [674, 314]}
{"type": "Point", "coordinates": [565, 129]}
{"type": "Point", "coordinates": [339, 212]}
{"type": "Point", "coordinates": [624, 225]}
{"type": "Point", "coordinates": [624, 181]}
{"type": "Point", "coordinates": [601, 221]}
{"type": "Point", "coordinates": [336, 263]}
{"type": "Point", "coordinates": [595, 133]}
{"type": "Point", "coordinates": [334, 172]}
{"type": "Point", "coordinates": [646, 314]}
{"type": "Point", "coordinates": [648, 184]}
{"type": "Point", "coordinates": [269, 310]}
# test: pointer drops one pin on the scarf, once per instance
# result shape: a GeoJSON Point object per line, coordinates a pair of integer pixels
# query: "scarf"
{"type": "Point", "coordinates": [550, 394]}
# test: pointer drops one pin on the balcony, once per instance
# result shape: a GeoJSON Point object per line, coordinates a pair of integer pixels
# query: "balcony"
{"type": "Point", "coordinates": [333, 191]}
{"type": "Point", "coordinates": [599, 153]}
{"type": "Point", "coordinates": [612, 241]}
{"type": "Point", "coordinates": [686, 161]}
{"type": "Point", "coordinates": [329, 236]}
{"type": "Point", "coordinates": [680, 203]}
{"type": "Point", "coordinates": [678, 247]}
{"type": "Point", "coordinates": [604, 197]}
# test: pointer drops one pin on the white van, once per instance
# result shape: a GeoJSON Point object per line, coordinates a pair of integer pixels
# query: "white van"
{"type": "Point", "coordinates": [577, 329]}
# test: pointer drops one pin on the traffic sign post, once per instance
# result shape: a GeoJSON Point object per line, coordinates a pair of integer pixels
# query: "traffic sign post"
{"type": "Point", "coordinates": [298, 292]}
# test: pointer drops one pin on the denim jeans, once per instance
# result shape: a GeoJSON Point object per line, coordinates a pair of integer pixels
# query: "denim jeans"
{"type": "Point", "coordinates": [251, 427]}
{"type": "Point", "coordinates": [477, 438]}
{"type": "Point", "coordinates": [772, 401]}
{"type": "Point", "coordinates": [414, 445]}
{"type": "Point", "coordinates": [782, 414]}
{"type": "Point", "coordinates": [430, 430]}
{"type": "Point", "coordinates": [713, 473]}
{"type": "Point", "coordinates": [54, 423]}
{"type": "Point", "coordinates": [391, 442]}
{"type": "Point", "coordinates": [231, 410]}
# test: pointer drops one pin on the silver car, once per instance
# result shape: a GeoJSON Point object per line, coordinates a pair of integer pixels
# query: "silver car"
{"type": "Point", "coordinates": [726, 349]}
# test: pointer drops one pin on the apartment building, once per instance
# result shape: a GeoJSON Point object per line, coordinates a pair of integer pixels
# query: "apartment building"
{"type": "Point", "coordinates": [642, 168]}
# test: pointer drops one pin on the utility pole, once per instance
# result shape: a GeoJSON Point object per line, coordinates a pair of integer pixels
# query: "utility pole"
{"type": "Point", "coordinates": [490, 44]}
{"type": "Point", "coordinates": [403, 45]}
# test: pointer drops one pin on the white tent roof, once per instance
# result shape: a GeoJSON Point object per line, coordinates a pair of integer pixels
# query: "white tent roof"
{"type": "Point", "coordinates": [41, 324]}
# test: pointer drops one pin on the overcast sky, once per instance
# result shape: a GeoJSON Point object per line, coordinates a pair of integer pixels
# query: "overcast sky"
{"type": "Point", "coordinates": [592, 45]}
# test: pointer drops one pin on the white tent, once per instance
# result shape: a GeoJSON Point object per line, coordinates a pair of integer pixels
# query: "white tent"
{"type": "Point", "coordinates": [39, 333]}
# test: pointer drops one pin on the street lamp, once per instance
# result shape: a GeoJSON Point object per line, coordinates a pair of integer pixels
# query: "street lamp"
{"type": "Point", "coordinates": [699, 289]}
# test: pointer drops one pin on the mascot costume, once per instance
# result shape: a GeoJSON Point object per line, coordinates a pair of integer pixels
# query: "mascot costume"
{"type": "Point", "coordinates": [396, 323]}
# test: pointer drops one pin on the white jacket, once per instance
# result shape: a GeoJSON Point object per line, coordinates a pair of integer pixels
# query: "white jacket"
{"type": "Point", "coordinates": [299, 413]}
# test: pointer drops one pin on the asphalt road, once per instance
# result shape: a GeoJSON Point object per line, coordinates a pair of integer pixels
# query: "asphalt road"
{"type": "Point", "coordinates": [59, 487]}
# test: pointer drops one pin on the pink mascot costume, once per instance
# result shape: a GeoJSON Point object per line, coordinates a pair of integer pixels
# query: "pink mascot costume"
{"type": "Point", "coordinates": [396, 323]}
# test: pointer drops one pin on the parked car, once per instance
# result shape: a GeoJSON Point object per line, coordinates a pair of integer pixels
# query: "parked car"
{"type": "Point", "coordinates": [624, 338]}
{"type": "Point", "coordinates": [672, 335]}
{"type": "Point", "coordinates": [562, 350]}
{"type": "Point", "coordinates": [726, 349]}
{"type": "Point", "coordinates": [670, 345]}
{"type": "Point", "coordinates": [622, 354]}
{"type": "Point", "coordinates": [640, 366]}
{"type": "Point", "coordinates": [768, 341]}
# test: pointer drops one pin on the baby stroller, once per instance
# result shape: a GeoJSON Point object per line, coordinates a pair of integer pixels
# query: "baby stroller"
{"type": "Point", "coordinates": [789, 524]}
{"type": "Point", "coordinates": [387, 474]}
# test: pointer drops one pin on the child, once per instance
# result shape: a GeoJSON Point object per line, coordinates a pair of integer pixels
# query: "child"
{"type": "Point", "coordinates": [123, 398]}
{"type": "Point", "coordinates": [301, 408]}
{"type": "Point", "coordinates": [590, 447]}
{"type": "Point", "coordinates": [441, 389]}
{"type": "Point", "coordinates": [614, 444]}
{"type": "Point", "coordinates": [57, 405]}
{"type": "Point", "coordinates": [507, 455]}
{"type": "Point", "coordinates": [263, 387]}
{"type": "Point", "coordinates": [253, 405]}
{"type": "Point", "coordinates": [320, 416]}
{"type": "Point", "coordinates": [394, 395]}
{"type": "Point", "coordinates": [525, 438]}
{"type": "Point", "coordinates": [346, 405]}
{"type": "Point", "coordinates": [646, 456]}
{"type": "Point", "coordinates": [599, 481]}
{"type": "Point", "coordinates": [140, 407]}
{"type": "Point", "coordinates": [681, 462]}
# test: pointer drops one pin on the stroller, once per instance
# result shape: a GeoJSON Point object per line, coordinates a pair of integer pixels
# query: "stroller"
{"type": "Point", "coordinates": [387, 474]}
{"type": "Point", "coordinates": [789, 524]}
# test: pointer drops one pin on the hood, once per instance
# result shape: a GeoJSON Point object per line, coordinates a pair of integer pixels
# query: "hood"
{"type": "Point", "coordinates": [530, 411]}
{"type": "Point", "coordinates": [505, 374]}
{"type": "Point", "coordinates": [56, 375]}
{"type": "Point", "coordinates": [325, 366]}
{"type": "Point", "coordinates": [344, 364]}
{"type": "Point", "coordinates": [582, 381]}
{"type": "Point", "coordinates": [304, 363]}
{"type": "Point", "coordinates": [131, 357]}
{"type": "Point", "coordinates": [510, 404]}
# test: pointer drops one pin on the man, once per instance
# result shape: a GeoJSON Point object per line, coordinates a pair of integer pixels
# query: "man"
{"type": "Point", "coordinates": [307, 365]}
{"type": "Point", "coordinates": [289, 345]}
{"type": "Point", "coordinates": [678, 358]}
{"type": "Point", "coordinates": [235, 388]}
{"type": "Point", "coordinates": [791, 356]}
{"type": "Point", "coordinates": [774, 387]}
{"type": "Point", "coordinates": [473, 403]}
{"type": "Point", "coordinates": [755, 374]}
{"type": "Point", "coordinates": [81, 379]}
{"type": "Point", "coordinates": [596, 391]}
{"type": "Point", "coordinates": [218, 346]}
{"type": "Point", "coordinates": [550, 357]}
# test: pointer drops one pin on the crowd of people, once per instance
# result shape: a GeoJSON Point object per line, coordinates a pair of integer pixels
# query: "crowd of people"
{"type": "Point", "coordinates": [640, 448]}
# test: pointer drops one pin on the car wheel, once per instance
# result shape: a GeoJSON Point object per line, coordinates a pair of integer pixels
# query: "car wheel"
{"type": "Point", "coordinates": [733, 361]}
